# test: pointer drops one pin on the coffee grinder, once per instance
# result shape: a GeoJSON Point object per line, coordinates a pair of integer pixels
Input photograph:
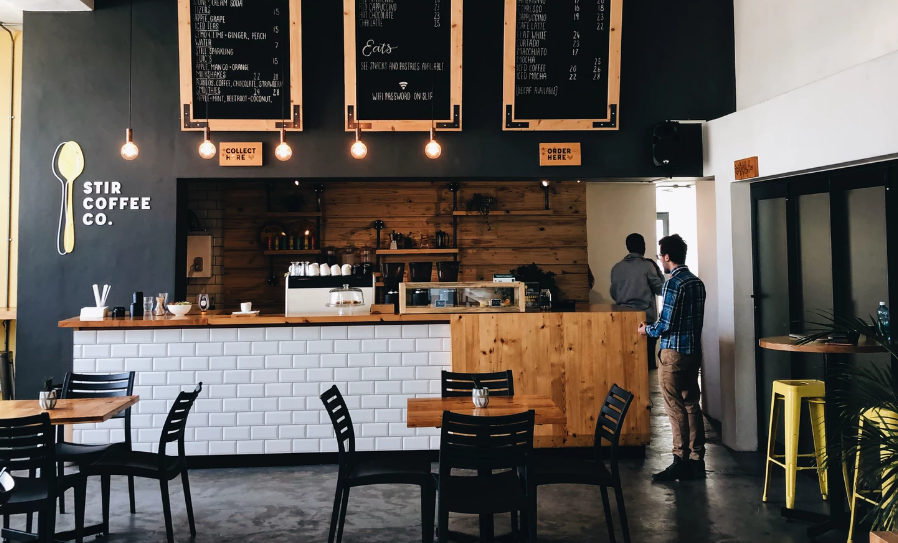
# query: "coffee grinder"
{"type": "Point", "coordinates": [420, 272]}
{"type": "Point", "coordinates": [392, 272]}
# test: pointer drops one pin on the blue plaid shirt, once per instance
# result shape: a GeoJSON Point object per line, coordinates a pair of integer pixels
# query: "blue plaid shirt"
{"type": "Point", "coordinates": [682, 313]}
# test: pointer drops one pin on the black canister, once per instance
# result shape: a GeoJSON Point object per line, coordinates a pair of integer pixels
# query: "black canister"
{"type": "Point", "coordinates": [118, 312]}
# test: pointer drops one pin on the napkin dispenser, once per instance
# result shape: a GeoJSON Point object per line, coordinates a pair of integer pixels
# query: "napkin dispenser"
{"type": "Point", "coordinates": [93, 313]}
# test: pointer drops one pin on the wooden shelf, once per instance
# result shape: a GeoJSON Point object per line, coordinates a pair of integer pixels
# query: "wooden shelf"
{"type": "Point", "coordinates": [293, 252]}
{"type": "Point", "coordinates": [298, 214]}
{"type": "Point", "coordinates": [417, 251]}
{"type": "Point", "coordinates": [500, 213]}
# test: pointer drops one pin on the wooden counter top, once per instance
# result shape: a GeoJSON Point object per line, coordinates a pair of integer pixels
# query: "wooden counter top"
{"type": "Point", "coordinates": [220, 318]}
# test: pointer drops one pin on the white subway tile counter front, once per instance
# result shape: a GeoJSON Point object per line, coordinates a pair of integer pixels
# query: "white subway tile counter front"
{"type": "Point", "coordinates": [261, 385]}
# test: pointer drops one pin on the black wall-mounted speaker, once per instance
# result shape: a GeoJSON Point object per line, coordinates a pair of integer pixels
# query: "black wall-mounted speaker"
{"type": "Point", "coordinates": [667, 145]}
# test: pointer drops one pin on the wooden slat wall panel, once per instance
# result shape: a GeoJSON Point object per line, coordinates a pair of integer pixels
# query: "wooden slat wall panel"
{"type": "Point", "coordinates": [572, 357]}
{"type": "Point", "coordinates": [555, 242]}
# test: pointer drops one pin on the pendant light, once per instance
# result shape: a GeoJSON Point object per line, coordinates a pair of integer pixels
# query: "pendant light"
{"type": "Point", "coordinates": [207, 148]}
{"type": "Point", "coordinates": [358, 150]}
{"type": "Point", "coordinates": [129, 149]}
{"type": "Point", "coordinates": [283, 150]}
{"type": "Point", "coordinates": [433, 149]}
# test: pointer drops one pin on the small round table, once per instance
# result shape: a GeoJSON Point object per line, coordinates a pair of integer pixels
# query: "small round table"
{"type": "Point", "coordinates": [837, 517]}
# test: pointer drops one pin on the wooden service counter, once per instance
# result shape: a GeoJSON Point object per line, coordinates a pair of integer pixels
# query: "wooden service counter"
{"type": "Point", "coordinates": [262, 375]}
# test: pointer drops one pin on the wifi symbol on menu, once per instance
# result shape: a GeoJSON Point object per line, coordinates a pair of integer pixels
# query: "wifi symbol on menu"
{"type": "Point", "coordinates": [403, 84]}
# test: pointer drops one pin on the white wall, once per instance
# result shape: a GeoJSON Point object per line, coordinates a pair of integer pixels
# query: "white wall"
{"type": "Point", "coordinates": [706, 253]}
{"type": "Point", "coordinates": [613, 212]}
{"type": "Point", "coordinates": [783, 45]}
{"type": "Point", "coordinates": [850, 116]}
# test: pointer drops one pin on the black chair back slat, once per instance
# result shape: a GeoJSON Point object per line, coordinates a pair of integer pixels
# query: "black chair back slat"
{"type": "Point", "coordinates": [27, 443]}
{"type": "Point", "coordinates": [610, 423]}
{"type": "Point", "coordinates": [457, 385]}
{"type": "Point", "coordinates": [176, 421]}
{"type": "Point", "coordinates": [336, 409]}
{"type": "Point", "coordinates": [485, 443]}
{"type": "Point", "coordinates": [98, 385]}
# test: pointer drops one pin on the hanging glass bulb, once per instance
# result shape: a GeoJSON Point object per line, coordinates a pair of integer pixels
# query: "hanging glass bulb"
{"type": "Point", "coordinates": [207, 148]}
{"type": "Point", "coordinates": [129, 149]}
{"type": "Point", "coordinates": [433, 149]}
{"type": "Point", "coordinates": [283, 150]}
{"type": "Point", "coordinates": [358, 150]}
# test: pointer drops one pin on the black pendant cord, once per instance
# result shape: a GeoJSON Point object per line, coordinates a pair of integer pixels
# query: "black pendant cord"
{"type": "Point", "coordinates": [130, 60]}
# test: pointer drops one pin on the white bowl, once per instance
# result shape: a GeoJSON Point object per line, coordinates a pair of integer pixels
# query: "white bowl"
{"type": "Point", "coordinates": [179, 310]}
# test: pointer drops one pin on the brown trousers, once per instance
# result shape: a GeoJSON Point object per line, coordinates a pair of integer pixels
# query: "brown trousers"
{"type": "Point", "coordinates": [678, 375]}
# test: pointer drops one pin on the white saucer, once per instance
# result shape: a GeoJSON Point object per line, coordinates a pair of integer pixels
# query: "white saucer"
{"type": "Point", "coordinates": [245, 314]}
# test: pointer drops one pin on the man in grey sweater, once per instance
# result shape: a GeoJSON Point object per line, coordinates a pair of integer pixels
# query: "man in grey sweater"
{"type": "Point", "coordinates": [635, 282]}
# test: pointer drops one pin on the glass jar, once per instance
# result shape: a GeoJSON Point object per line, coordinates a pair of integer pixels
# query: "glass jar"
{"type": "Point", "coordinates": [366, 255]}
{"type": "Point", "coordinates": [349, 255]}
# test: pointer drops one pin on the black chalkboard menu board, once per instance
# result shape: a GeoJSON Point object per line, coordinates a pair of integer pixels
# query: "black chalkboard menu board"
{"type": "Point", "coordinates": [403, 64]}
{"type": "Point", "coordinates": [562, 64]}
{"type": "Point", "coordinates": [241, 64]}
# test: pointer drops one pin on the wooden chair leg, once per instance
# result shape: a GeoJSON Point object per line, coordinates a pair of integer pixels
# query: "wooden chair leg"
{"type": "Point", "coordinates": [60, 472]}
{"type": "Point", "coordinates": [80, 498]}
{"type": "Point", "coordinates": [622, 511]}
{"type": "Point", "coordinates": [531, 520]}
{"type": "Point", "coordinates": [335, 514]}
{"type": "Point", "coordinates": [609, 520]}
{"type": "Point", "coordinates": [166, 509]}
{"type": "Point", "coordinates": [443, 524]}
{"type": "Point", "coordinates": [131, 494]}
{"type": "Point", "coordinates": [428, 502]}
{"type": "Point", "coordinates": [104, 493]}
{"type": "Point", "coordinates": [342, 520]}
{"type": "Point", "coordinates": [188, 502]}
{"type": "Point", "coordinates": [29, 518]}
{"type": "Point", "coordinates": [47, 527]}
{"type": "Point", "coordinates": [515, 526]}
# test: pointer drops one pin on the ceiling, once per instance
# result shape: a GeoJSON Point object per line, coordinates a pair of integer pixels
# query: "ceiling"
{"type": "Point", "coordinates": [11, 10]}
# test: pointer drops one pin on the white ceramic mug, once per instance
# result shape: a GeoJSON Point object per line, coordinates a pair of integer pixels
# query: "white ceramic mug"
{"type": "Point", "coordinates": [246, 307]}
{"type": "Point", "coordinates": [335, 270]}
{"type": "Point", "coordinates": [325, 270]}
{"type": "Point", "coordinates": [346, 269]}
{"type": "Point", "coordinates": [313, 270]}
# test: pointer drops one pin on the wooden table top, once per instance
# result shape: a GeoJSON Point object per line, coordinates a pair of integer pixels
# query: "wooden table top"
{"type": "Point", "coordinates": [70, 411]}
{"type": "Point", "coordinates": [790, 344]}
{"type": "Point", "coordinates": [428, 412]}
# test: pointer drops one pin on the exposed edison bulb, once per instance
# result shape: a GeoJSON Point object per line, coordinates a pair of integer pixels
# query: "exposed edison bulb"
{"type": "Point", "coordinates": [358, 150]}
{"type": "Point", "coordinates": [207, 148]}
{"type": "Point", "coordinates": [129, 149]}
{"type": "Point", "coordinates": [433, 149]}
{"type": "Point", "coordinates": [283, 150]}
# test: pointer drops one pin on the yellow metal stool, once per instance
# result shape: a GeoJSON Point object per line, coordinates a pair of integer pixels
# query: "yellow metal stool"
{"type": "Point", "coordinates": [791, 394]}
{"type": "Point", "coordinates": [882, 418]}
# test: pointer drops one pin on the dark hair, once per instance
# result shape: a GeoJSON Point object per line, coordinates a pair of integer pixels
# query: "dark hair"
{"type": "Point", "coordinates": [636, 244]}
{"type": "Point", "coordinates": [674, 247]}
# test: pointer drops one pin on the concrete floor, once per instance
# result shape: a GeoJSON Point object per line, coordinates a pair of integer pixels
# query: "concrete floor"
{"type": "Point", "coordinates": [294, 505]}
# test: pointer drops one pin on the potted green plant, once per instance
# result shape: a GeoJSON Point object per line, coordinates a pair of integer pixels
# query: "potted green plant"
{"type": "Point", "coordinates": [47, 398]}
{"type": "Point", "coordinates": [483, 204]}
{"type": "Point", "coordinates": [866, 399]}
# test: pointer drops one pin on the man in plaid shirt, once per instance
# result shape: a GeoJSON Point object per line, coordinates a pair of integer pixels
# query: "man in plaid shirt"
{"type": "Point", "coordinates": [680, 330]}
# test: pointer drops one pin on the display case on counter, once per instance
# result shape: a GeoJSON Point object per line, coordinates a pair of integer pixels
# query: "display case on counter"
{"type": "Point", "coordinates": [466, 297]}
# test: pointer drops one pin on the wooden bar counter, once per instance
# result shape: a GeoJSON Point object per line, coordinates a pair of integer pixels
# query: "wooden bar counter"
{"type": "Point", "coordinates": [574, 358]}
{"type": "Point", "coordinates": [262, 375]}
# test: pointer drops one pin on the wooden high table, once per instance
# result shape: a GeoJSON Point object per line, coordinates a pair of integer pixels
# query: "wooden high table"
{"type": "Point", "coordinates": [76, 411]}
{"type": "Point", "coordinates": [837, 517]}
{"type": "Point", "coordinates": [428, 413]}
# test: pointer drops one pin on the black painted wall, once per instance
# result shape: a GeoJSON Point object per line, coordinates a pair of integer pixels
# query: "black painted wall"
{"type": "Point", "coordinates": [678, 63]}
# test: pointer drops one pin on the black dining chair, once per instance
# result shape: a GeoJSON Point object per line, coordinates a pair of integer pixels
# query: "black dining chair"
{"type": "Point", "coordinates": [457, 385]}
{"type": "Point", "coordinates": [551, 471]}
{"type": "Point", "coordinates": [486, 444]}
{"type": "Point", "coordinates": [26, 444]}
{"type": "Point", "coordinates": [388, 471]}
{"type": "Point", "coordinates": [89, 385]}
{"type": "Point", "coordinates": [158, 465]}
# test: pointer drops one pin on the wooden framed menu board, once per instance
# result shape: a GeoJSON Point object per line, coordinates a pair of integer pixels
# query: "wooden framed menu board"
{"type": "Point", "coordinates": [240, 64]}
{"type": "Point", "coordinates": [562, 64]}
{"type": "Point", "coordinates": [402, 64]}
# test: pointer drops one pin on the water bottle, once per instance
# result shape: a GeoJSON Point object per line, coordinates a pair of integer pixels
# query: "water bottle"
{"type": "Point", "coordinates": [883, 314]}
